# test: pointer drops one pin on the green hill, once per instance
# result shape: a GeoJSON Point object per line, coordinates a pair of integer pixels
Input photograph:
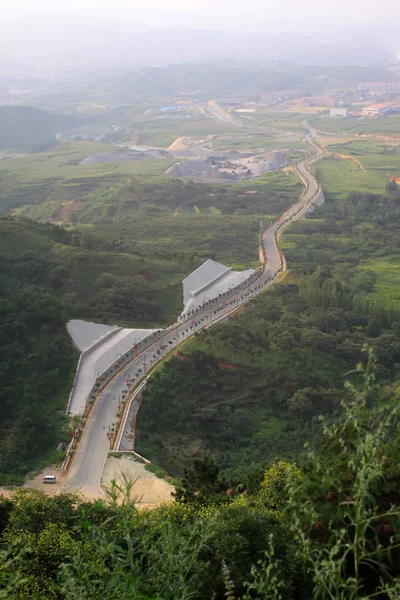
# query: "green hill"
{"type": "Point", "coordinates": [47, 276]}
{"type": "Point", "coordinates": [250, 390]}
{"type": "Point", "coordinates": [27, 129]}
{"type": "Point", "coordinates": [230, 77]}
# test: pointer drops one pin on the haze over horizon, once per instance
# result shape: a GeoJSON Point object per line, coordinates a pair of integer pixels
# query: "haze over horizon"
{"type": "Point", "coordinates": [255, 15]}
{"type": "Point", "coordinates": [88, 35]}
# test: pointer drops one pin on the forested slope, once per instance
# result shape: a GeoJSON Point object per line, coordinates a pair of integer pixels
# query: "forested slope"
{"type": "Point", "coordinates": [28, 129]}
{"type": "Point", "coordinates": [251, 389]}
{"type": "Point", "coordinates": [36, 355]}
{"type": "Point", "coordinates": [47, 276]}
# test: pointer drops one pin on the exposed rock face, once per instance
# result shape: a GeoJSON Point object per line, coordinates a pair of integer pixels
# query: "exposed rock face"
{"type": "Point", "coordinates": [229, 166]}
{"type": "Point", "coordinates": [273, 160]}
{"type": "Point", "coordinates": [198, 169]}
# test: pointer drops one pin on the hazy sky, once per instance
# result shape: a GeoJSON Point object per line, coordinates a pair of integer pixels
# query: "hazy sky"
{"type": "Point", "coordinates": [257, 15]}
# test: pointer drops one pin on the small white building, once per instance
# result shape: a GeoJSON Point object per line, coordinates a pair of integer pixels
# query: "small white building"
{"type": "Point", "coordinates": [339, 112]}
{"type": "Point", "coordinates": [380, 109]}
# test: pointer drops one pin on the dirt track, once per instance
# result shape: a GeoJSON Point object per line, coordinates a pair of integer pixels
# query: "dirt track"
{"type": "Point", "coordinates": [346, 157]}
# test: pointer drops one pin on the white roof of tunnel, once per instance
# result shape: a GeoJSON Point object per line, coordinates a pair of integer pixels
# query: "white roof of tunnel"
{"type": "Point", "coordinates": [208, 281]}
{"type": "Point", "coordinates": [203, 276]}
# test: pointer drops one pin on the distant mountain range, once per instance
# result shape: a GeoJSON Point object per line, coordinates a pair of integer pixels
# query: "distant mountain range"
{"type": "Point", "coordinates": [226, 78]}
{"type": "Point", "coordinates": [71, 42]}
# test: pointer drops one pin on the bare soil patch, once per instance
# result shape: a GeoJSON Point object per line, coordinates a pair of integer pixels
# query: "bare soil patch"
{"type": "Point", "coordinates": [148, 489]}
{"type": "Point", "coordinates": [50, 489]}
{"type": "Point", "coordinates": [5, 492]}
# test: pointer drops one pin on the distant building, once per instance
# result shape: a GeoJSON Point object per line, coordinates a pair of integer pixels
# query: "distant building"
{"type": "Point", "coordinates": [339, 112]}
{"type": "Point", "coordinates": [310, 101]}
{"type": "Point", "coordinates": [168, 108]}
{"type": "Point", "coordinates": [380, 109]}
{"type": "Point", "coordinates": [379, 86]}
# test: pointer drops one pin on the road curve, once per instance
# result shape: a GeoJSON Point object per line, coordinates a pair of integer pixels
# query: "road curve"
{"type": "Point", "coordinates": [89, 460]}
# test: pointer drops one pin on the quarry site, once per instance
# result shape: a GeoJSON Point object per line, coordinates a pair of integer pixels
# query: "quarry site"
{"type": "Point", "coordinates": [197, 160]}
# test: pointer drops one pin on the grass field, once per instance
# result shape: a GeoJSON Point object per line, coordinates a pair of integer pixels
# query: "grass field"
{"type": "Point", "coordinates": [161, 132]}
{"type": "Point", "coordinates": [63, 161]}
{"type": "Point", "coordinates": [373, 155]}
{"type": "Point", "coordinates": [387, 285]}
{"type": "Point", "coordinates": [387, 125]}
{"type": "Point", "coordinates": [269, 118]}
{"type": "Point", "coordinates": [252, 141]}
{"type": "Point", "coordinates": [339, 177]}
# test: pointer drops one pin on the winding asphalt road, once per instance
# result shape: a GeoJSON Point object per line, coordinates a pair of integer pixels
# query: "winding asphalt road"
{"type": "Point", "coordinates": [89, 460]}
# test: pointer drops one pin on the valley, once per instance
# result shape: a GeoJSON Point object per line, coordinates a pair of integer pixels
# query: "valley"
{"type": "Point", "coordinates": [91, 451]}
{"type": "Point", "coordinates": [199, 302]}
{"type": "Point", "coordinates": [148, 191]}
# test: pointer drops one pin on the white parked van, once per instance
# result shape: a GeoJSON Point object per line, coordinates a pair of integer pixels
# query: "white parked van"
{"type": "Point", "coordinates": [49, 479]}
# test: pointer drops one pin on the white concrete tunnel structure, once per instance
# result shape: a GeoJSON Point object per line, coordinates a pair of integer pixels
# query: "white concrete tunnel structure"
{"type": "Point", "coordinates": [208, 281]}
{"type": "Point", "coordinates": [101, 345]}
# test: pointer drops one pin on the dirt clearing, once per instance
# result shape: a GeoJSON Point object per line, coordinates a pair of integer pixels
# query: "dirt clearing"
{"type": "Point", "coordinates": [50, 489]}
{"type": "Point", "coordinates": [149, 489]}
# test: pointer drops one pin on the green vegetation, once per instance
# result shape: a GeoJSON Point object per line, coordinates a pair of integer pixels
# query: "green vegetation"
{"type": "Point", "coordinates": [128, 273]}
{"type": "Point", "coordinates": [356, 238]}
{"type": "Point", "coordinates": [53, 186]}
{"type": "Point", "coordinates": [385, 125]}
{"type": "Point", "coordinates": [63, 162]}
{"type": "Point", "coordinates": [329, 530]}
{"type": "Point", "coordinates": [250, 390]}
{"type": "Point", "coordinates": [48, 276]}
{"type": "Point", "coordinates": [239, 397]}
{"type": "Point", "coordinates": [339, 176]}
{"type": "Point", "coordinates": [270, 118]}
{"type": "Point", "coordinates": [93, 278]}
{"type": "Point", "coordinates": [27, 129]}
{"type": "Point", "coordinates": [164, 131]}
{"type": "Point", "coordinates": [36, 355]}
{"type": "Point", "coordinates": [253, 141]}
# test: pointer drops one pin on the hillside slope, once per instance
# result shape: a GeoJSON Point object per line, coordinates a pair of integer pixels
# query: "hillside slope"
{"type": "Point", "coordinates": [27, 129]}
{"type": "Point", "coordinates": [47, 276]}
{"type": "Point", "coordinates": [36, 355]}
{"type": "Point", "coordinates": [251, 389]}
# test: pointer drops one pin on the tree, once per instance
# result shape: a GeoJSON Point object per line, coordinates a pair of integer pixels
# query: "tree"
{"type": "Point", "coordinates": [391, 186]}
{"type": "Point", "coordinates": [201, 483]}
{"type": "Point", "coordinates": [302, 402]}
{"type": "Point", "coordinates": [276, 479]}
{"type": "Point", "coordinates": [373, 329]}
